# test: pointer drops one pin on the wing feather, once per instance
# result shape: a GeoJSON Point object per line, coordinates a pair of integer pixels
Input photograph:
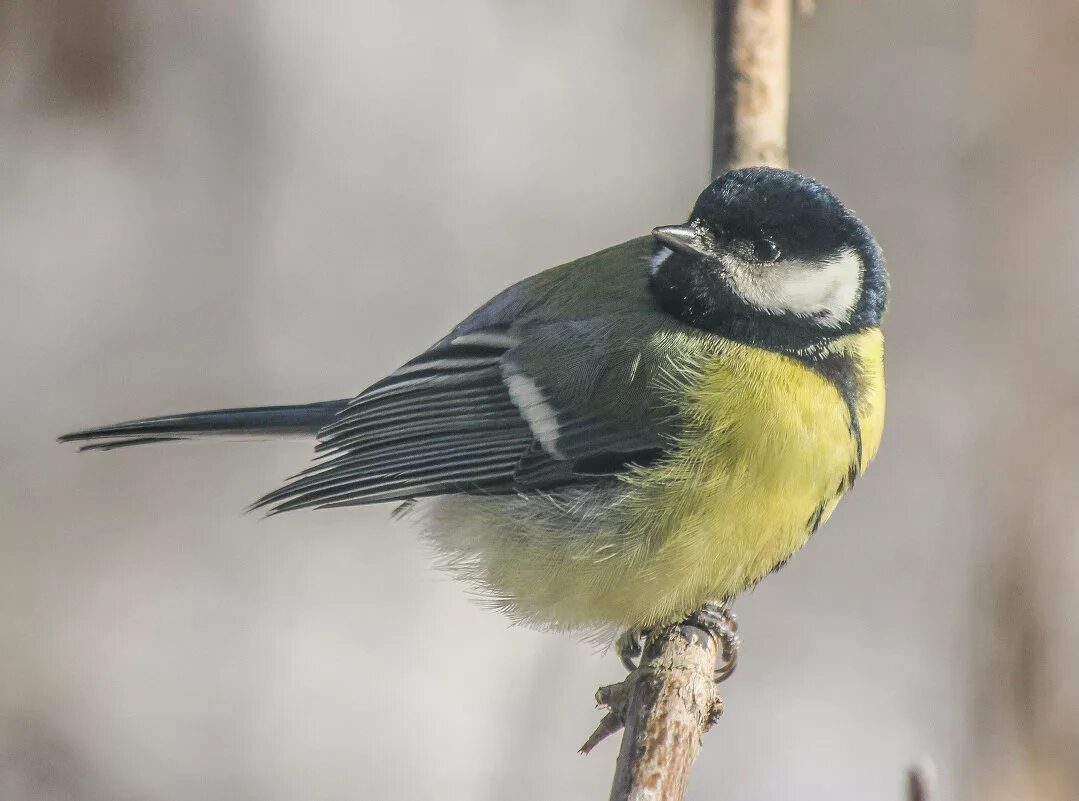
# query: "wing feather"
{"type": "Point", "coordinates": [444, 422]}
{"type": "Point", "coordinates": [490, 412]}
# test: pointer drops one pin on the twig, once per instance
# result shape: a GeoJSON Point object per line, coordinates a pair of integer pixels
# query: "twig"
{"type": "Point", "coordinates": [752, 56]}
{"type": "Point", "coordinates": [671, 699]}
{"type": "Point", "coordinates": [921, 781]}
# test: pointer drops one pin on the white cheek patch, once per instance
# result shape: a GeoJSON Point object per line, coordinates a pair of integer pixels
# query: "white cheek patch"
{"type": "Point", "coordinates": [826, 291]}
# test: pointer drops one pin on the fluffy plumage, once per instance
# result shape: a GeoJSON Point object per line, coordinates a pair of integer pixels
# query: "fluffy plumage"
{"type": "Point", "coordinates": [615, 441]}
{"type": "Point", "coordinates": [766, 453]}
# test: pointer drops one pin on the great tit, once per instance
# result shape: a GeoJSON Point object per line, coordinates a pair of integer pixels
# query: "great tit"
{"type": "Point", "coordinates": [615, 442]}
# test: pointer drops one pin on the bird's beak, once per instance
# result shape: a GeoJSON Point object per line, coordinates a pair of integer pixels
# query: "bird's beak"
{"type": "Point", "coordinates": [686, 239]}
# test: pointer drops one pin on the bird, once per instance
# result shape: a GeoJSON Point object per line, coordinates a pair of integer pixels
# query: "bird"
{"type": "Point", "coordinates": [614, 443]}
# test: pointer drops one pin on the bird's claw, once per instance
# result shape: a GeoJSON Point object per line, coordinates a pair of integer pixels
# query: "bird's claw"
{"type": "Point", "coordinates": [629, 648]}
{"type": "Point", "coordinates": [715, 618]}
{"type": "Point", "coordinates": [720, 621]}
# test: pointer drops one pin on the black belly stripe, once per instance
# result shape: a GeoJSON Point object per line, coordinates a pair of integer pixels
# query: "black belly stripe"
{"type": "Point", "coordinates": [842, 372]}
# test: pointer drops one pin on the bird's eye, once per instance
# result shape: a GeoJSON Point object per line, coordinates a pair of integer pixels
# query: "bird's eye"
{"type": "Point", "coordinates": [765, 250]}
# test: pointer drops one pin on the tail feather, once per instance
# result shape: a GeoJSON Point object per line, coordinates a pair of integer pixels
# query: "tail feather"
{"type": "Point", "coordinates": [275, 421]}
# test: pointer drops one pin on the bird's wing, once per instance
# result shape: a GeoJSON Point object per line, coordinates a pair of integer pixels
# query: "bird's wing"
{"type": "Point", "coordinates": [494, 410]}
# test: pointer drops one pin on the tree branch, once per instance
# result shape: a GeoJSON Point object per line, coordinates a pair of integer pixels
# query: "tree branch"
{"type": "Point", "coordinates": [752, 83]}
{"type": "Point", "coordinates": [672, 698]}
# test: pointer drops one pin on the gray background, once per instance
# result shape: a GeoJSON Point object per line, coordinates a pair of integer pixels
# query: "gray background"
{"type": "Point", "coordinates": [210, 204]}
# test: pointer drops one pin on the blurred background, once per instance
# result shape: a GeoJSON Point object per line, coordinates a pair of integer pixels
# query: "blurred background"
{"type": "Point", "coordinates": [209, 204]}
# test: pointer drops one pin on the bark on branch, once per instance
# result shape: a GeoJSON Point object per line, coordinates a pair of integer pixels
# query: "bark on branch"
{"type": "Point", "coordinates": [673, 701]}
{"type": "Point", "coordinates": [752, 83]}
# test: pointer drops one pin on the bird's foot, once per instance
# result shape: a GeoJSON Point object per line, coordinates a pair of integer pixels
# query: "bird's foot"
{"type": "Point", "coordinates": [716, 620]}
{"type": "Point", "coordinates": [719, 620]}
{"type": "Point", "coordinates": [629, 647]}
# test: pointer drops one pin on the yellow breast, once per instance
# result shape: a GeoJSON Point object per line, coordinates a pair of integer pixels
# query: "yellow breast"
{"type": "Point", "coordinates": [769, 451]}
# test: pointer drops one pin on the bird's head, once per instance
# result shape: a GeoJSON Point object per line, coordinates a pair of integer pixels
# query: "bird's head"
{"type": "Point", "coordinates": [770, 257]}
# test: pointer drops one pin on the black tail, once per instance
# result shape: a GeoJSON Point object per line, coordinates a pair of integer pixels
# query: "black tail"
{"type": "Point", "coordinates": [272, 421]}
